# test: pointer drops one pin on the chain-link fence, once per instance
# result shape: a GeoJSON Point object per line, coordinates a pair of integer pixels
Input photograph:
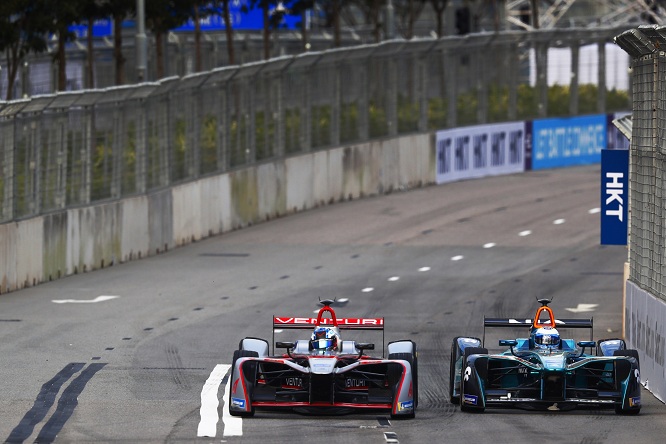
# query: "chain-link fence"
{"type": "Point", "coordinates": [647, 233]}
{"type": "Point", "coordinates": [77, 148]}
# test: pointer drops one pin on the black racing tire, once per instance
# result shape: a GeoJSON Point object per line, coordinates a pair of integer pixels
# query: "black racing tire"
{"type": "Point", "coordinates": [467, 352]}
{"type": "Point", "coordinates": [620, 411]}
{"type": "Point", "coordinates": [413, 359]}
{"type": "Point", "coordinates": [628, 352]}
{"type": "Point", "coordinates": [239, 354]}
{"type": "Point", "coordinates": [452, 371]}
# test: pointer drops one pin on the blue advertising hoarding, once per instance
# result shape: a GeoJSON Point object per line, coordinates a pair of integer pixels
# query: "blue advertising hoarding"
{"type": "Point", "coordinates": [251, 20]}
{"type": "Point", "coordinates": [614, 196]}
{"type": "Point", "coordinates": [568, 141]}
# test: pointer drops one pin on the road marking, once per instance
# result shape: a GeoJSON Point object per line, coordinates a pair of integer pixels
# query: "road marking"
{"type": "Point", "coordinates": [489, 245]}
{"type": "Point", "coordinates": [84, 301]}
{"type": "Point", "coordinates": [582, 308]}
{"type": "Point", "coordinates": [424, 269]}
{"type": "Point", "coordinates": [209, 402]}
{"type": "Point", "coordinates": [524, 233]}
{"type": "Point", "coordinates": [457, 258]}
{"type": "Point", "coordinates": [394, 278]}
{"type": "Point", "coordinates": [367, 290]}
{"type": "Point", "coordinates": [594, 210]}
{"type": "Point", "coordinates": [233, 425]}
{"type": "Point", "coordinates": [558, 221]}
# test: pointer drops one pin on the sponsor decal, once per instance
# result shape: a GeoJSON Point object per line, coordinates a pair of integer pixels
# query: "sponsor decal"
{"type": "Point", "coordinates": [354, 322]}
{"type": "Point", "coordinates": [470, 399]}
{"type": "Point", "coordinates": [614, 193]}
{"type": "Point", "coordinates": [468, 373]}
{"type": "Point", "coordinates": [237, 402]}
{"type": "Point", "coordinates": [635, 401]}
{"type": "Point", "coordinates": [293, 382]}
{"type": "Point", "coordinates": [352, 383]}
{"type": "Point", "coordinates": [407, 405]}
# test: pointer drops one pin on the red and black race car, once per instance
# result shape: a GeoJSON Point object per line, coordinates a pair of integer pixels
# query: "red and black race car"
{"type": "Point", "coordinates": [324, 373]}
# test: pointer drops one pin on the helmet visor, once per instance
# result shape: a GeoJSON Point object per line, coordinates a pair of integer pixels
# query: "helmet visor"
{"type": "Point", "coordinates": [322, 344]}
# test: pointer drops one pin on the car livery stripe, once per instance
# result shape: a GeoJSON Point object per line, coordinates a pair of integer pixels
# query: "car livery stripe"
{"type": "Point", "coordinates": [396, 401]}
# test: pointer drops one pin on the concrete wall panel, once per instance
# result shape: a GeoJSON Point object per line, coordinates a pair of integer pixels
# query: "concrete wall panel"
{"type": "Point", "coordinates": [8, 237]}
{"type": "Point", "coordinates": [160, 221]}
{"type": "Point", "coordinates": [212, 206]}
{"type": "Point", "coordinates": [29, 252]}
{"type": "Point", "coordinates": [55, 246]}
{"type": "Point", "coordinates": [244, 197]}
{"type": "Point", "coordinates": [187, 213]}
{"type": "Point", "coordinates": [300, 182]}
{"type": "Point", "coordinates": [134, 229]}
{"type": "Point", "coordinates": [389, 166]}
{"type": "Point", "coordinates": [272, 190]}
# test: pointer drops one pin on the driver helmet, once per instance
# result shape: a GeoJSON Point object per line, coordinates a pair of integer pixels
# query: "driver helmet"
{"type": "Point", "coordinates": [325, 339]}
{"type": "Point", "coordinates": [547, 338]}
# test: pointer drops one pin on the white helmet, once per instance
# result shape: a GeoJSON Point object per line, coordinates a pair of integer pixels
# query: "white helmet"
{"type": "Point", "coordinates": [547, 338]}
{"type": "Point", "coordinates": [325, 339]}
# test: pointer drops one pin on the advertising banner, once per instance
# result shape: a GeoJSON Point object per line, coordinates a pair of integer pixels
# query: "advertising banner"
{"type": "Point", "coordinates": [614, 196]}
{"type": "Point", "coordinates": [645, 331]}
{"type": "Point", "coordinates": [568, 142]}
{"type": "Point", "coordinates": [478, 151]}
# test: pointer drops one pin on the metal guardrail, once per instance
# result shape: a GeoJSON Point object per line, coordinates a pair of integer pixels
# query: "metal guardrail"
{"type": "Point", "coordinates": [76, 148]}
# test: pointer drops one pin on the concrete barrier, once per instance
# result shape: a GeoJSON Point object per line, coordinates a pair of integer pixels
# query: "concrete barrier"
{"type": "Point", "coordinates": [84, 239]}
{"type": "Point", "coordinates": [645, 331]}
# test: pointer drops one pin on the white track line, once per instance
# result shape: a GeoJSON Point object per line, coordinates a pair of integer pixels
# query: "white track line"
{"type": "Point", "coordinates": [209, 402]}
{"type": "Point", "coordinates": [233, 425]}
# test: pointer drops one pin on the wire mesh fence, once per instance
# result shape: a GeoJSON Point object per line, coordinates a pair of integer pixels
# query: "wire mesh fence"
{"type": "Point", "coordinates": [647, 229]}
{"type": "Point", "coordinates": [76, 148]}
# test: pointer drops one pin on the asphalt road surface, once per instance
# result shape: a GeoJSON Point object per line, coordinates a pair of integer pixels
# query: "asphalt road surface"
{"type": "Point", "coordinates": [124, 354]}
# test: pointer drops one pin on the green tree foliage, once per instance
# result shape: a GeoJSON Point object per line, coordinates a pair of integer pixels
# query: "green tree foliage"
{"type": "Point", "coordinates": [23, 28]}
{"type": "Point", "coordinates": [162, 16]}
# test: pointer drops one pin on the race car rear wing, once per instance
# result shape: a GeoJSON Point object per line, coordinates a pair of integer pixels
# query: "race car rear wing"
{"type": "Point", "coordinates": [526, 323]}
{"type": "Point", "coordinates": [341, 323]}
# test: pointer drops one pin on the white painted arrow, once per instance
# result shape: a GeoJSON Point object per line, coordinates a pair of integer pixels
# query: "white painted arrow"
{"type": "Point", "coordinates": [583, 308]}
{"type": "Point", "coordinates": [84, 301]}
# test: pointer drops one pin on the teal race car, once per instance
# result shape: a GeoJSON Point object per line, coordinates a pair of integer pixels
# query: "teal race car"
{"type": "Point", "coordinates": [544, 371]}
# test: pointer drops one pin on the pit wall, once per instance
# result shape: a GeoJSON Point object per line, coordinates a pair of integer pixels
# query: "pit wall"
{"type": "Point", "coordinates": [77, 240]}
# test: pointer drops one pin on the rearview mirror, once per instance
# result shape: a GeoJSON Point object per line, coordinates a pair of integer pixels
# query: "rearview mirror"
{"type": "Point", "coordinates": [584, 344]}
{"type": "Point", "coordinates": [508, 342]}
{"type": "Point", "coordinates": [365, 346]}
{"type": "Point", "coordinates": [287, 345]}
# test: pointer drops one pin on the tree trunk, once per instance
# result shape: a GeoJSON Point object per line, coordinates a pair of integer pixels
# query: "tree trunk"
{"type": "Point", "coordinates": [336, 22]}
{"type": "Point", "coordinates": [118, 50]}
{"type": "Point", "coordinates": [61, 58]}
{"type": "Point", "coordinates": [267, 34]}
{"type": "Point", "coordinates": [197, 39]}
{"type": "Point", "coordinates": [13, 64]}
{"type": "Point", "coordinates": [90, 67]}
{"type": "Point", "coordinates": [159, 54]}
{"type": "Point", "coordinates": [229, 32]}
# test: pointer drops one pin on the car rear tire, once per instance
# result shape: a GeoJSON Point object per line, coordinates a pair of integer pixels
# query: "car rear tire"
{"type": "Point", "coordinates": [413, 362]}
{"type": "Point", "coordinates": [239, 354]}
{"type": "Point", "coordinates": [452, 371]}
